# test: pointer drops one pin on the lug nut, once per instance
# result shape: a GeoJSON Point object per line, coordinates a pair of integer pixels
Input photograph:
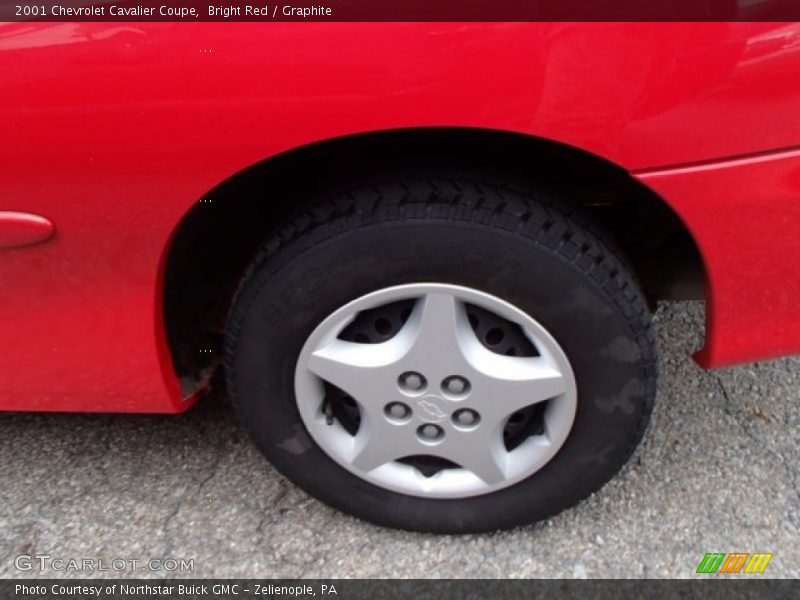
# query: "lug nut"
{"type": "Point", "coordinates": [455, 385]}
{"type": "Point", "coordinates": [411, 382]}
{"type": "Point", "coordinates": [466, 417]}
{"type": "Point", "coordinates": [397, 410]}
{"type": "Point", "coordinates": [430, 432]}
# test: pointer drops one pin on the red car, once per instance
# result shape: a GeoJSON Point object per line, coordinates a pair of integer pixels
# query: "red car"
{"type": "Point", "coordinates": [424, 255]}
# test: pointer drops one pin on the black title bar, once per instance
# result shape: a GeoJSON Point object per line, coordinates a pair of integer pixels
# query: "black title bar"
{"type": "Point", "coordinates": [400, 10]}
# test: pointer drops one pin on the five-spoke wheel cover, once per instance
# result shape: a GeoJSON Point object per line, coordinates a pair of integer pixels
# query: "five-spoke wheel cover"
{"type": "Point", "coordinates": [434, 389]}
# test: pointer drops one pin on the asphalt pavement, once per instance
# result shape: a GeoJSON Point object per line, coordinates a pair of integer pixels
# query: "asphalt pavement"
{"type": "Point", "coordinates": [718, 471]}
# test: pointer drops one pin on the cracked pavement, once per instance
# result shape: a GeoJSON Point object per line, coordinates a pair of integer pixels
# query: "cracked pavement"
{"type": "Point", "coordinates": [718, 471]}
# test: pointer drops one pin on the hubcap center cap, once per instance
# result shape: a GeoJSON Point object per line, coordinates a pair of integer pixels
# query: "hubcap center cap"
{"type": "Point", "coordinates": [431, 408]}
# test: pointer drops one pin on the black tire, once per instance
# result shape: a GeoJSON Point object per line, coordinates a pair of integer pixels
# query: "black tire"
{"type": "Point", "coordinates": [518, 246]}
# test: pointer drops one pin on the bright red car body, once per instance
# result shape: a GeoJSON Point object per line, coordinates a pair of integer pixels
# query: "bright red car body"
{"type": "Point", "coordinates": [114, 132]}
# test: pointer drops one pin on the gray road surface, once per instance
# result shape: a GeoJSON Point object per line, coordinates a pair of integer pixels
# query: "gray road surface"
{"type": "Point", "coordinates": [718, 471]}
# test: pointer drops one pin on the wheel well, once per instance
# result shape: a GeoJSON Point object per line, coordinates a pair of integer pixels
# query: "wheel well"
{"type": "Point", "coordinates": [217, 238]}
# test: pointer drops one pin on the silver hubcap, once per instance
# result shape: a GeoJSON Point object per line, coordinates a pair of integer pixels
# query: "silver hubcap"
{"type": "Point", "coordinates": [435, 390]}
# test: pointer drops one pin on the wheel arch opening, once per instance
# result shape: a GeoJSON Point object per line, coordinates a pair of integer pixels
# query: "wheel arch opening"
{"type": "Point", "coordinates": [217, 238]}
